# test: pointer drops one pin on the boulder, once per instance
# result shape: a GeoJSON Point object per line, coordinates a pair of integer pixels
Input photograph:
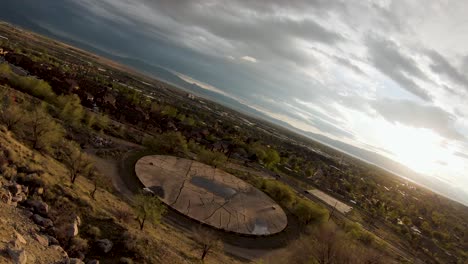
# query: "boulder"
{"type": "Point", "coordinates": [76, 261]}
{"type": "Point", "coordinates": [124, 260]}
{"type": "Point", "coordinates": [78, 220]}
{"type": "Point", "coordinates": [20, 239]}
{"type": "Point", "coordinates": [44, 241]}
{"type": "Point", "coordinates": [40, 191]}
{"type": "Point", "coordinates": [17, 199]}
{"type": "Point", "coordinates": [62, 252]}
{"type": "Point", "coordinates": [80, 255]}
{"type": "Point", "coordinates": [42, 221]}
{"type": "Point", "coordinates": [104, 245]}
{"type": "Point", "coordinates": [28, 214]}
{"type": "Point", "coordinates": [39, 207]}
{"type": "Point", "coordinates": [15, 189]}
{"type": "Point", "coordinates": [52, 240]}
{"type": "Point", "coordinates": [72, 230]}
{"type": "Point", "coordinates": [18, 256]}
{"type": "Point", "coordinates": [5, 196]}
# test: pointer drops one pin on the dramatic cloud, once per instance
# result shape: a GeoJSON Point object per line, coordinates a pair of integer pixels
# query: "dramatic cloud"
{"type": "Point", "coordinates": [363, 72]}
{"type": "Point", "coordinates": [420, 116]}
{"type": "Point", "coordinates": [442, 66]}
{"type": "Point", "coordinates": [387, 58]}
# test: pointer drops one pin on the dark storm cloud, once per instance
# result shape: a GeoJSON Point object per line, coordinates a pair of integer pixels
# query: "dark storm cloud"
{"type": "Point", "coordinates": [412, 114]}
{"type": "Point", "coordinates": [246, 31]}
{"type": "Point", "coordinates": [386, 57]}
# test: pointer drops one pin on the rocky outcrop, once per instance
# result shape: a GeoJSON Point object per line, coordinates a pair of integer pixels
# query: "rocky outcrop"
{"type": "Point", "coordinates": [16, 251]}
{"type": "Point", "coordinates": [18, 256]}
{"type": "Point", "coordinates": [76, 261]}
{"type": "Point", "coordinates": [72, 230]}
{"type": "Point", "coordinates": [41, 239]}
{"type": "Point", "coordinates": [39, 207]}
{"type": "Point", "coordinates": [42, 221]}
{"type": "Point", "coordinates": [5, 196]}
{"type": "Point", "coordinates": [104, 245]}
{"type": "Point", "coordinates": [15, 189]}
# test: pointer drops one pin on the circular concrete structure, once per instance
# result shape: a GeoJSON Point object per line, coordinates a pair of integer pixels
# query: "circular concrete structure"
{"type": "Point", "coordinates": [210, 195]}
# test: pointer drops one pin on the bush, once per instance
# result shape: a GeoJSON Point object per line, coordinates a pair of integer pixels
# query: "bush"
{"type": "Point", "coordinates": [280, 192]}
{"type": "Point", "coordinates": [71, 109]}
{"type": "Point", "coordinates": [212, 158]}
{"type": "Point", "coordinates": [43, 131]}
{"type": "Point", "coordinates": [94, 232]}
{"type": "Point", "coordinates": [78, 244]}
{"type": "Point", "coordinates": [33, 86]}
{"type": "Point", "coordinates": [167, 143]}
{"type": "Point", "coordinates": [309, 212]}
{"type": "Point", "coordinates": [355, 231]}
{"type": "Point", "coordinates": [123, 215]}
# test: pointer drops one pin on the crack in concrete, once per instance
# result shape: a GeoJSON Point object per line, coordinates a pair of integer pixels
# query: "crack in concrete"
{"type": "Point", "coordinates": [183, 184]}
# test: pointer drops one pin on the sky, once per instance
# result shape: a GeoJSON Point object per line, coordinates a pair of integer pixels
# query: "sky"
{"type": "Point", "coordinates": [387, 76]}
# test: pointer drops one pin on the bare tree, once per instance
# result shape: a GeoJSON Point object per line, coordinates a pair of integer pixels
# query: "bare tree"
{"type": "Point", "coordinates": [206, 239]}
{"type": "Point", "coordinates": [97, 182]}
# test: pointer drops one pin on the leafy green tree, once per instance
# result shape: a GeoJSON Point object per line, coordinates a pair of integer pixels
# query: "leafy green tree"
{"type": "Point", "coordinates": [213, 158]}
{"type": "Point", "coordinates": [167, 143]}
{"type": "Point", "coordinates": [90, 119]}
{"type": "Point", "coordinates": [12, 116]}
{"type": "Point", "coordinates": [77, 162]}
{"type": "Point", "coordinates": [308, 212]}
{"type": "Point", "coordinates": [279, 191]}
{"type": "Point", "coordinates": [71, 109]}
{"type": "Point", "coordinates": [169, 111]}
{"type": "Point", "coordinates": [148, 208]}
{"type": "Point", "coordinates": [271, 158]}
{"type": "Point", "coordinates": [44, 131]}
{"type": "Point", "coordinates": [35, 87]}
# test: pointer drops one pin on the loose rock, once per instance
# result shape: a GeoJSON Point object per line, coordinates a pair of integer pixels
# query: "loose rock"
{"type": "Point", "coordinates": [44, 222]}
{"type": "Point", "coordinates": [5, 196]}
{"type": "Point", "coordinates": [76, 261]}
{"type": "Point", "coordinates": [20, 238]}
{"type": "Point", "coordinates": [105, 245]}
{"type": "Point", "coordinates": [15, 189]}
{"type": "Point", "coordinates": [18, 256]}
{"type": "Point", "coordinates": [41, 239]}
{"type": "Point", "coordinates": [72, 230]}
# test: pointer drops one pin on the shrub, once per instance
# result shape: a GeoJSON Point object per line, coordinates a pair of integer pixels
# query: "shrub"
{"type": "Point", "coordinates": [71, 109]}
{"type": "Point", "coordinates": [356, 232]}
{"type": "Point", "coordinates": [212, 158]}
{"type": "Point", "coordinates": [78, 244]}
{"type": "Point", "coordinates": [167, 143]}
{"type": "Point", "coordinates": [123, 215]}
{"type": "Point", "coordinates": [93, 231]}
{"type": "Point", "coordinates": [280, 192]}
{"type": "Point", "coordinates": [44, 132]}
{"type": "Point", "coordinates": [309, 212]}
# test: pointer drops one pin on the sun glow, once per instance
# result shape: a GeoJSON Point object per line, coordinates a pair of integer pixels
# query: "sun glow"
{"type": "Point", "coordinates": [420, 149]}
